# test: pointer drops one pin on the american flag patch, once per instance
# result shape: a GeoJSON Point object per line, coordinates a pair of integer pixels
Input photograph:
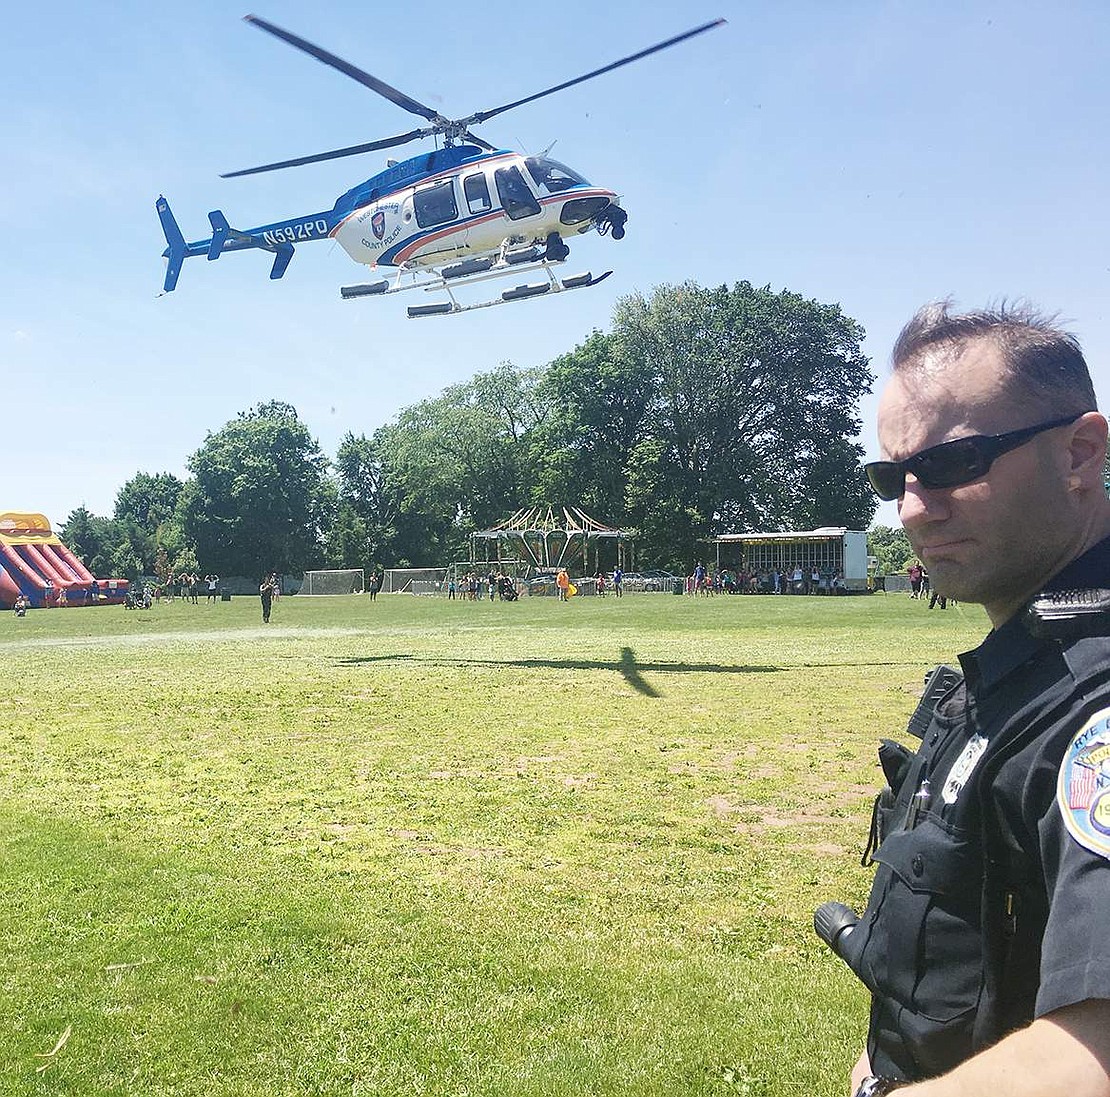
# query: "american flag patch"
{"type": "Point", "coordinates": [1082, 787]}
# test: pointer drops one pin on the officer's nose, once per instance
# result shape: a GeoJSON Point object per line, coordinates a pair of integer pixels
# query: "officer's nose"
{"type": "Point", "coordinates": [920, 505]}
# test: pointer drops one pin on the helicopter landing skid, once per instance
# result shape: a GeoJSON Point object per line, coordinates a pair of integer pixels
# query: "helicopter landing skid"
{"type": "Point", "coordinates": [498, 270]}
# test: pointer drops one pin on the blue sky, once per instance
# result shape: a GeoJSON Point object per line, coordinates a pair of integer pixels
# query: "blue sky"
{"type": "Point", "coordinates": [877, 155]}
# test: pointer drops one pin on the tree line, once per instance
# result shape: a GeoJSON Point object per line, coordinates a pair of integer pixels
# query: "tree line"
{"type": "Point", "coordinates": [701, 411]}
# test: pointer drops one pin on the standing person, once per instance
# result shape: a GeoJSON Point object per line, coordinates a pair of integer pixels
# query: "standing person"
{"type": "Point", "coordinates": [985, 943]}
{"type": "Point", "coordinates": [213, 583]}
{"type": "Point", "coordinates": [915, 572]}
{"type": "Point", "coordinates": [562, 581]}
{"type": "Point", "coordinates": [266, 593]}
{"type": "Point", "coordinates": [618, 582]}
{"type": "Point", "coordinates": [375, 586]}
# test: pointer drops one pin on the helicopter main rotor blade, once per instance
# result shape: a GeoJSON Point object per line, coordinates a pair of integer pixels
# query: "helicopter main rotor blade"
{"type": "Point", "coordinates": [402, 100]}
{"type": "Point", "coordinates": [478, 141]}
{"type": "Point", "coordinates": [335, 154]}
{"type": "Point", "coordinates": [483, 115]}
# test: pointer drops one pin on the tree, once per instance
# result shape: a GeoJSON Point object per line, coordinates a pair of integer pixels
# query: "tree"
{"type": "Point", "coordinates": [460, 462]}
{"type": "Point", "coordinates": [755, 402]}
{"type": "Point", "coordinates": [596, 400]}
{"type": "Point", "coordinates": [101, 544]}
{"type": "Point", "coordinates": [146, 508]}
{"type": "Point", "coordinates": [347, 544]}
{"type": "Point", "coordinates": [365, 522]}
{"type": "Point", "coordinates": [260, 498]}
{"type": "Point", "coordinates": [891, 549]}
{"type": "Point", "coordinates": [713, 410]}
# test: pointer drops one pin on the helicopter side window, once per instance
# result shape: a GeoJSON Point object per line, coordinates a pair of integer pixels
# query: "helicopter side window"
{"type": "Point", "coordinates": [516, 199]}
{"type": "Point", "coordinates": [435, 205]}
{"type": "Point", "coordinates": [477, 193]}
{"type": "Point", "coordinates": [553, 175]}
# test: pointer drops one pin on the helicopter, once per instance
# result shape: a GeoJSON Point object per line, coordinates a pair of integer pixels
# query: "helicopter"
{"type": "Point", "coordinates": [462, 213]}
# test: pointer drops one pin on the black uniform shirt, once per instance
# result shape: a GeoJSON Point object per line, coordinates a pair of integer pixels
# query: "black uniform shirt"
{"type": "Point", "coordinates": [985, 911]}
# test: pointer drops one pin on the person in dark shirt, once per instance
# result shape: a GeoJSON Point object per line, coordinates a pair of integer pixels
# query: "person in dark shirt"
{"type": "Point", "coordinates": [985, 943]}
{"type": "Point", "coordinates": [266, 591]}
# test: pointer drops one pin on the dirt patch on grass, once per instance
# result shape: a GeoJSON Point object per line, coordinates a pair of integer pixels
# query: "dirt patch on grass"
{"type": "Point", "coordinates": [761, 819]}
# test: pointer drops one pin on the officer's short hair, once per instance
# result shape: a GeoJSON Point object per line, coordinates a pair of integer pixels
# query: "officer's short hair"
{"type": "Point", "coordinates": [1045, 362]}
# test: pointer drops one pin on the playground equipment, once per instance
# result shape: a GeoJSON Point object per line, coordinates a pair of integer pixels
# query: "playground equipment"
{"type": "Point", "coordinates": [35, 563]}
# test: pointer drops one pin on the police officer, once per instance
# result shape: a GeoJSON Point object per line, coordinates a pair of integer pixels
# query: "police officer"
{"type": "Point", "coordinates": [986, 939]}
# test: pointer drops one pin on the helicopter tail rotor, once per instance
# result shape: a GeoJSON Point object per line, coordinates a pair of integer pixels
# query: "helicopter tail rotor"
{"type": "Point", "coordinates": [177, 250]}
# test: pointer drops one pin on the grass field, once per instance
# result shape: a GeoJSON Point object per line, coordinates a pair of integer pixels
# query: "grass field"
{"type": "Point", "coordinates": [428, 847]}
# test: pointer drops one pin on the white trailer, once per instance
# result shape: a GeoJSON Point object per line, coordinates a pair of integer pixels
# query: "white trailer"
{"type": "Point", "coordinates": [833, 549]}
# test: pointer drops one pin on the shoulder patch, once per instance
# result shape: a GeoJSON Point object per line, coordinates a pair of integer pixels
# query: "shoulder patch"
{"type": "Point", "coordinates": [1083, 787]}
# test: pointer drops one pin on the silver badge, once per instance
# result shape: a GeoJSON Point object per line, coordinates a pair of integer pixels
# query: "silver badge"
{"type": "Point", "coordinates": [962, 768]}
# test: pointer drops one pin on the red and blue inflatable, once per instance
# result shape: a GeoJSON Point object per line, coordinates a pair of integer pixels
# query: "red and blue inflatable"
{"type": "Point", "coordinates": [35, 563]}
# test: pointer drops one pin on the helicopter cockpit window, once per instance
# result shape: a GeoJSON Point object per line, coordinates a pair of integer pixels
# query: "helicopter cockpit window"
{"type": "Point", "coordinates": [477, 193]}
{"type": "Point", "coordinates": [552, 174]}
{"type": "Point", "coordinates": [435, 205]}
{"type": "Point", "coordinates": [518, 201]}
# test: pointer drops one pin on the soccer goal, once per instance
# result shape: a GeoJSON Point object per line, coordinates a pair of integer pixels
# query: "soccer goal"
{"type": "Point", "coordinates": [414, 580]}
{"type": "Point", "coordinates": [350, 581]}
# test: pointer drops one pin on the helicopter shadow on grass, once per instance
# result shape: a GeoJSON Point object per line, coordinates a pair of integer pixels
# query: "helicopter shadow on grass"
{"type": "Point", "coordinates": [631, 670]}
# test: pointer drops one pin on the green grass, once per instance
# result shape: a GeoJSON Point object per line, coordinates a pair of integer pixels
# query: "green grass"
{"type": "Point", "coordinates": [421, 847]}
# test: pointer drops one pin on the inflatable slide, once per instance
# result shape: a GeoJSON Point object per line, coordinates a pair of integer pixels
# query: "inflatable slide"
{"type": "Point", "coordinates": [35, 563]}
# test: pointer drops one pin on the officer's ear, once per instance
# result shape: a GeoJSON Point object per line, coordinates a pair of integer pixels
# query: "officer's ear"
{"type": "Point", "coordinates": [1087, 453]}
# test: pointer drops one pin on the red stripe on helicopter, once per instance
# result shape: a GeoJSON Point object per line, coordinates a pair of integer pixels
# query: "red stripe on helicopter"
{"type": "Point", "coordinates": [431, 236]}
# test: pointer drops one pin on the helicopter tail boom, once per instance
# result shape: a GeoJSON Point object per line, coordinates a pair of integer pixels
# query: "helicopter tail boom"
{"type": "Point", "coordinates": [273, 238]}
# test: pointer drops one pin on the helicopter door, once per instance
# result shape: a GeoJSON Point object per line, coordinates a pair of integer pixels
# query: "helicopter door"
{"type": "Point", "coordinates": [435, 205]}
{"type": "Point", "coordinates": [516, 197]}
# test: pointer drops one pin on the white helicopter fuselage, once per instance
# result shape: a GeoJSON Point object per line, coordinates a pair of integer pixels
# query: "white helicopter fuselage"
{"type": "Point", "coordinates": [470, 210]}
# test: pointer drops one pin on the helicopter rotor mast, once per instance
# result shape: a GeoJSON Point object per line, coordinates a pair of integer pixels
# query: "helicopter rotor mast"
{"type": "Point", "coordinates": [451, 129]}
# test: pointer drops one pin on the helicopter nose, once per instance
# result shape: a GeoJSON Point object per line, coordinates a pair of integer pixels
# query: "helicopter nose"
{"type": "Point", "coordinates": [578, 210]}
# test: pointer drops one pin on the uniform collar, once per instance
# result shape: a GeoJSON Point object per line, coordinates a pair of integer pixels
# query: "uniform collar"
{"type": "Point", "coordinates": [1007, 648]}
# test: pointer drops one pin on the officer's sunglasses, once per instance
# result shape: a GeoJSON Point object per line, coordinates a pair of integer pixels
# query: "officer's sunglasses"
{"type": "Point", "coordinates": [952, 463]}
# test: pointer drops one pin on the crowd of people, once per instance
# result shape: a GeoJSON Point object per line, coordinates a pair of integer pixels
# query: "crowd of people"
{"type": "Point", "coordinates": [186, 587]}
{"type": "Point", "coordinates": [790, 579]}
{"type": "Point", "coordinates": [473, 587]}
